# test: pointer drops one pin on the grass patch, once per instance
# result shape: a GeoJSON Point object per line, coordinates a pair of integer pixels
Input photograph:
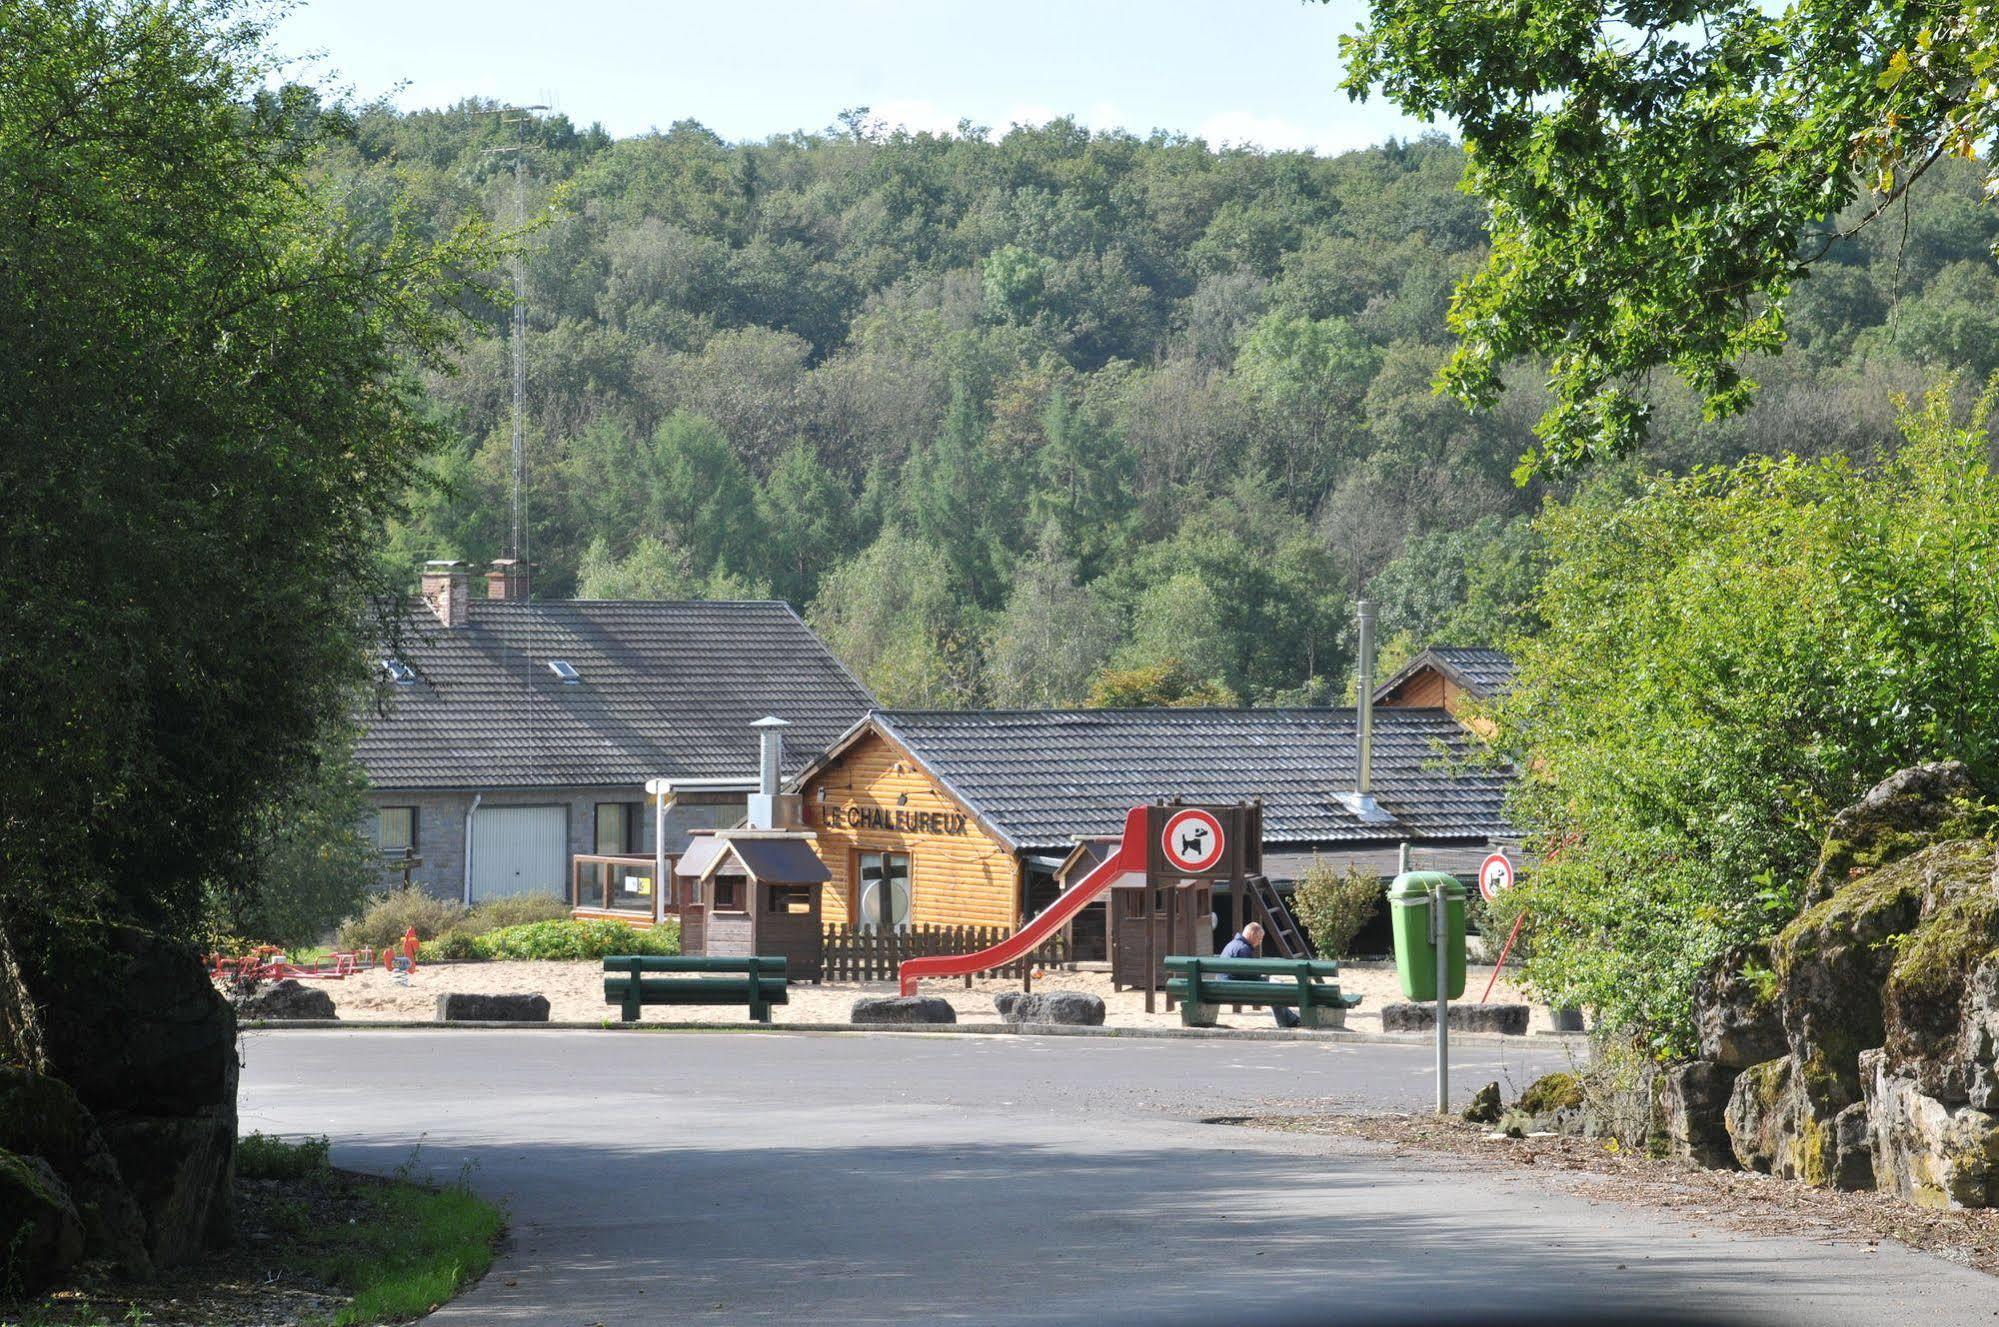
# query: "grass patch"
{"type": "Point", "coordinates": [421, 1246]}
{"type": "Point", "coordinates": [260, 1157]}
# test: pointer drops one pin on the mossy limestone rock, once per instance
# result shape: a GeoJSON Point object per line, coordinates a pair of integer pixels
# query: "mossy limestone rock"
{"type": "Point", "coordinates": [1696, 1104]}
{"type": "Point", "coordinates": [1928, 1151]}
{"type": "Point", "coordinates": [41, 1117]}
{"type": "Point", "coordinates": [1484, 1107]}
{"type": "Point", "coordinates": [1902, 814]}
{"type": "Point", "coordinates": [41, 1233]}
{"type": "Point", "coordinates": [1735, 1009]}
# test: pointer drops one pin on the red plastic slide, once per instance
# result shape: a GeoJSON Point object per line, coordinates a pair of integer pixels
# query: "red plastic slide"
{"type": "Point", "coordinates": [1130, 856]}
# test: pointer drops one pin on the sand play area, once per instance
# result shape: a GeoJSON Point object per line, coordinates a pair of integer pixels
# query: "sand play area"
{"type": "Point", "coordinates": [575, 992]}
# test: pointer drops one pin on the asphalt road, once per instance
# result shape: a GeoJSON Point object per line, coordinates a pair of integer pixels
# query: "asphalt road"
{"type": "Point", "coordinates": [799, 1178]}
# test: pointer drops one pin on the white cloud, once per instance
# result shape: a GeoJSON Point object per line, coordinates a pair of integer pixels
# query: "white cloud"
{"type": "Point", "coordinates": [914, 114]}
{"type": "Point", "coordinates": [1248, 129]}
{"type": "Point", "coordinates": [1033, 116]}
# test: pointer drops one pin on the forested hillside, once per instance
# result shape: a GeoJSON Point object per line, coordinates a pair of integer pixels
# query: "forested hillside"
{"type": "Point", "coordinates": [1003, 413]}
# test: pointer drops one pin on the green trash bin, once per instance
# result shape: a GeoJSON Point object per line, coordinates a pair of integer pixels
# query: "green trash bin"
{"type": "Point", "coordinates": [1415, 953]}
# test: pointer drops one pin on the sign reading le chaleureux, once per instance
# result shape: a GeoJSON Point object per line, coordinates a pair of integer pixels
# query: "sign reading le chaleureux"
{"type": "Point", "coordinates": [882, 817]}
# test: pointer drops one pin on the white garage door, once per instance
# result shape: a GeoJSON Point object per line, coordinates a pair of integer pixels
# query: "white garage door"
{"type": "Point", "coordinates": [520, 850]}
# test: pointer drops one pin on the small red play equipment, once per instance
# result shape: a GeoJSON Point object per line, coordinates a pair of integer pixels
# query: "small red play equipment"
{"type": "Point", "coordinates": [271, 963]}
{"type": "Point", "coordinates": [1130, 856]}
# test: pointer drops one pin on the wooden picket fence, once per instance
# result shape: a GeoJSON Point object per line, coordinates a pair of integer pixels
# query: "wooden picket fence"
{"type": "Point", "coordinates": [862, 953]}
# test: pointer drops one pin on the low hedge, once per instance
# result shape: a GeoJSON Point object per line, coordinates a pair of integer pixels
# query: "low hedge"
{"type": "Point", "coordinates": [574, 939]}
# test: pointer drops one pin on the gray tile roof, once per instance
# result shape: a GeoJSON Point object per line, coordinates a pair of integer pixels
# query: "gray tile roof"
{"type": "Point", "coordinates": [1040, 777]}
{"type": "Point", "coordinates": [1484, 672]}
{"type": "Point", "coordinates": [665, 689]}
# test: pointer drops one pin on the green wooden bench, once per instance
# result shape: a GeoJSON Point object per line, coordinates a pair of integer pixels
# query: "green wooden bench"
{"type": "Point", "coordinates": [633, 981]}
{"type": "Point", "coordinates": [1204, 985]}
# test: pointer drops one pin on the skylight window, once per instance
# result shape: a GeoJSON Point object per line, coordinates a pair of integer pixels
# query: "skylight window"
{"type": "Point", "coordinates": [562, 669]}
{"type": "Point", "coordinates": [399, 672]}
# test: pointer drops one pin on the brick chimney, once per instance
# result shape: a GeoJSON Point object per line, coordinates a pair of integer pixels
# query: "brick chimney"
{"type": "Point", "coordinates": [507, 579]}
{"type": "Point", "coordinates": [447, 589]}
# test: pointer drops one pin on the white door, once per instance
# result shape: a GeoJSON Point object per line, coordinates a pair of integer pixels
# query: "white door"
{"type": "Point", "coordinates": [520, 850]}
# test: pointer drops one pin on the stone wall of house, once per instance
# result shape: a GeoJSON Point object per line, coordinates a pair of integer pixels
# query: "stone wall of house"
{"type": "Point", "coordinates": [440, 834]}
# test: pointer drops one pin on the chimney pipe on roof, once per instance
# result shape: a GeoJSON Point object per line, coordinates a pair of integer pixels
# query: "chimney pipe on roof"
{"type": "Point", "coordinates": [1364, 770]}
{"type": "Point", "coordinates": [446, 591]}
{"type": "Point", "coordinates": [507, 578]}
{"type": "Point", "coordinates": [770, 807]}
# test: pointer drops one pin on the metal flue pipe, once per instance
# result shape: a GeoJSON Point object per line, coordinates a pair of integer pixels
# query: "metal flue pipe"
{"type": "Point", "coordinates": [1364, 767]}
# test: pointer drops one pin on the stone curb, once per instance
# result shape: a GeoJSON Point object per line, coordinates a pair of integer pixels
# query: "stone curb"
{"type": "Point", "coordinates": [926, 1029]}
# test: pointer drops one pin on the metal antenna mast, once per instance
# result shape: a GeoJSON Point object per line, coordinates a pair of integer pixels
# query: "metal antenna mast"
{"type": "Point", "coordinates": [521, 116]}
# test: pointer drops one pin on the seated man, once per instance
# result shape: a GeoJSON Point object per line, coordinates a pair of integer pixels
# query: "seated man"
{"type": "Point", "coordinates": [1245, 945]}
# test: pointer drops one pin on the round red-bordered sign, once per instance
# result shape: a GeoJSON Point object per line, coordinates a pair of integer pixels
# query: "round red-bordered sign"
{"type": "Point", "coordinates": [1495, 873]}
{"type": "Point", "coordinates": [1192, 841]}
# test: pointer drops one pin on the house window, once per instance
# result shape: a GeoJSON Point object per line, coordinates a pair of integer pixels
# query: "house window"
{"type": "Point", "coordinates": [617, 828]}
{"type": "Point", "coordinates": [884, 896]}
{"type": "Point", "coordinates": [789, 899]}
{"type": "Point", "coordinates": [727, 891]}
{"type": "Point", "coordinates": [395, 829]}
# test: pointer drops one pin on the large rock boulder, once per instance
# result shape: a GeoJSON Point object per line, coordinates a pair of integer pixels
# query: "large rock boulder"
{"type": "Point", "coordinates": [1902, 814]}
{"type": "Point", "coordinates": [460, 1007]}
{"type": "Point", "coordinates": [289, 998]}
{"type": "Point", "coordinates": [1696, 1104]}
{"type": "Point", "coordinates": [149, 1047]}
{"type": "Point", "coordinates": [1925, 1150]}
{"type": "Point", "coordinates": [894, 1009]}
{"type": "Point", "coordinates": [1068, 1008]}
{"type": "Point", "coordinates": [1735, 1009]}
{"type": "Point", "coordinates": [1420, 1016]}
{"type": "Point", "coordinates": [1885, 991]}
{"type": "Point", "coordinates": [41, 1117]}
{"type": "Point", "coordinates": [41, 1234]}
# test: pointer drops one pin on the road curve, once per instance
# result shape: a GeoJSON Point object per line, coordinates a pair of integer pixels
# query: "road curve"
{"type": "Point", "coordinates": [774, 1178]}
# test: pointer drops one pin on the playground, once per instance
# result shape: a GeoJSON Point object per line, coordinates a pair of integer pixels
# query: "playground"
{"type": "Point", "coordinates": [575, 992]}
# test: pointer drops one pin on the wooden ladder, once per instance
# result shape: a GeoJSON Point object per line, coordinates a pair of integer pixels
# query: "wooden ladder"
{"type": "Point", "coordinates": [1287, 938]}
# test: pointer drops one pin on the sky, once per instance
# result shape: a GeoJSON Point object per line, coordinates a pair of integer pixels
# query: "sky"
{"type": "Point", "coordinates": [1262, 72]}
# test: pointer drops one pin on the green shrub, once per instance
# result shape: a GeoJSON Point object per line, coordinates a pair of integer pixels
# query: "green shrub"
{"type": "Point", "coordinates": [577, 940]}
{"type": "Point", "coordinates": [450, 945]}
{"type": "Point", "coordinates": [1334, 907]}
{"type": "Point", "coordinates": [387, 916]}
{"type": "Point", "coordinates": [513, 910]}
{"type": "Point", "coordinates": [261, 1157]}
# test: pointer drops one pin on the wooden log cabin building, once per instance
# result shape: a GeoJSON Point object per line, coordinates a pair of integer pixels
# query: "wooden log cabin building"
{"type": "Point", "coordinates": [982, 817]}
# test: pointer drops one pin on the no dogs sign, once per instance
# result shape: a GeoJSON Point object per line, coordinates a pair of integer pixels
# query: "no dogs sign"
{"type": "Point", "coordinates": [1495, 873]}
{"type": "Point", "coordinates": [1192, 841]}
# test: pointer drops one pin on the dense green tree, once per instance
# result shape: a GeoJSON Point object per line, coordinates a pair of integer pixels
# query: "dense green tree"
{"type": "Point", "coordinates": [211, 418]}
{"type": "Point", "coordinates": [1127, 328]}
{"type": "Point", "coordinates": [1659, 178]}
{"type": "Point", "coordinates": [955, 491]}
{"type": "Point", "coordinates": [1166, 683]}
{"type": "Point", "coordinates": [891, 616]}
{"type": "Point", "coordinates": [699, 493]}
{"type": "Point", "coordinates": [807, 517]}
{"type": "Point", "coordinates": [1084, 488]}
{"type": "Point", "coordinates": [1726, 660]}
{"type": "Point", "coordinates": [1052, 637]}
{"type": "Point", "coordinates": [313, 863]}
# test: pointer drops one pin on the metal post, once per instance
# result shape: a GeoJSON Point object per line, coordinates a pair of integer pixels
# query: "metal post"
{"type": "Point", "coordinates": [659, 858]}
{"type": "Point", "coordinates": [1440, 931]}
